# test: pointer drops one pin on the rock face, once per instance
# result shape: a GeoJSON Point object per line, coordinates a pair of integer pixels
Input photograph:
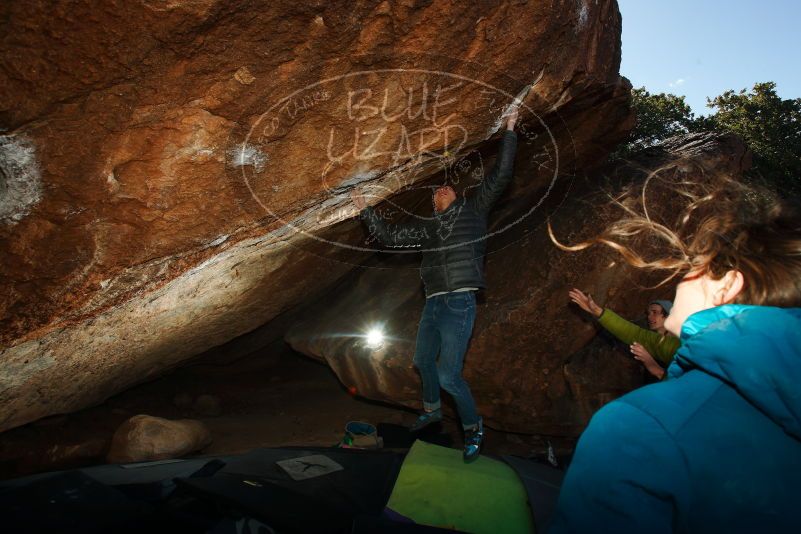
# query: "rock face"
{"type": "Point", "coordinates": [207, 405]}
{"type": "Point", "coordinates": [531, 365]}
{"type": "Point", "coordinates": [145, 438]}
{"type": "Point", "coordinates": [175, 173]}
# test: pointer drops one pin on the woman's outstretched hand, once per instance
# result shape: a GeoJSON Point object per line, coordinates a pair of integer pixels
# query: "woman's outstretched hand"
{"type": "Point", "coordinates": [585, 302]}
{"type": "Point", "coordinates": [642, 355]}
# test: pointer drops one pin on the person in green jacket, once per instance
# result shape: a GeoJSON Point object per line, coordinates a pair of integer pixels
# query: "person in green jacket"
{"type": "Point", "coordinates": [654, 348]}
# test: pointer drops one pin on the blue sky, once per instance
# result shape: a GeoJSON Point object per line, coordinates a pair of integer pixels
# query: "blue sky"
{"type": "Point", "coordinates": [701, 48]}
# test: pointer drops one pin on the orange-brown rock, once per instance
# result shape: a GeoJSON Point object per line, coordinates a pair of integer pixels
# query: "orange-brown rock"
{"type": "Point", "coordinates": [169, 166]}
{"type": "Point", "coordinates": [532, 364]}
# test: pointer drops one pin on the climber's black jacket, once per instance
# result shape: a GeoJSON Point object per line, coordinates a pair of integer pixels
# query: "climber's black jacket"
{"type": "Point", "coordinates": [453, 242]}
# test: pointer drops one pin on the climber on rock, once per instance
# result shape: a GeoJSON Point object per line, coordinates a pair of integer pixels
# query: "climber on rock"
{"type": "Point", "coordinates": [453, 243]}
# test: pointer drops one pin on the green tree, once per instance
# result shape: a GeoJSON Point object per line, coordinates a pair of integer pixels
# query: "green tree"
{"type": "Point", "coordinates": [770, 126]}
{"type": "Point", "coordinates": [658, 117]}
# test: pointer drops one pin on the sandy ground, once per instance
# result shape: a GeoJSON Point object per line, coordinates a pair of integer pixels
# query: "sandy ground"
{"type": "Point", "coordinates": [270, 398]}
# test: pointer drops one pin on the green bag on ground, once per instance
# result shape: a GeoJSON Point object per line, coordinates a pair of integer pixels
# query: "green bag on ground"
{"type": "Point", "coordinates": [435, 487]}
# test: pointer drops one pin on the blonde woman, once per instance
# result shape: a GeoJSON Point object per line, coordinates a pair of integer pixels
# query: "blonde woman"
{"type": "Point", "coordinates": [716, 447]}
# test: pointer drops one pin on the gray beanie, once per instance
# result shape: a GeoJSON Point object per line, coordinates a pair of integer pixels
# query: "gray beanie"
{"type": "Point", "coordinates": [666, 305]}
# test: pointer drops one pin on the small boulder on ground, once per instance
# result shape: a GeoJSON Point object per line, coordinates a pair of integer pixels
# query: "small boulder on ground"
{"type": "Point", "coordinates": [145, 438]}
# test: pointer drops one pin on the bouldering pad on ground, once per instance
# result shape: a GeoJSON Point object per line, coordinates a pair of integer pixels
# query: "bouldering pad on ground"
{"type": "Point", "coordinates": [435, 487]}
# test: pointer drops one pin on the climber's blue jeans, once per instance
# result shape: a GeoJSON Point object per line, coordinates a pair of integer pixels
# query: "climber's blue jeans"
{"type": "Point", "coordinates": [444, 331]}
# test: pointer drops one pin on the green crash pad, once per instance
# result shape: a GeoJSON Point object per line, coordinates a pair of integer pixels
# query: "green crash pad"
{"type": "Point", "coordinates": [435, 487]}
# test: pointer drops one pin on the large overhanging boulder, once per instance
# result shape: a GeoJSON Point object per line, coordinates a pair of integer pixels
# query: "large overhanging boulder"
{"type": "Point", "coordinates": [532, 364]}
{"type": "Point", "coordinates": [175, 173]}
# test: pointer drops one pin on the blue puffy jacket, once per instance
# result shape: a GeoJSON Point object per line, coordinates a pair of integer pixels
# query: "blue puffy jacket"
{"type": "Point", "coordinates": [715, 448]}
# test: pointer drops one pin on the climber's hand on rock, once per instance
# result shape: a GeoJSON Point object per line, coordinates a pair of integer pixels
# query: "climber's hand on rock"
{"type": "Point", "coordinates": [358, 198]}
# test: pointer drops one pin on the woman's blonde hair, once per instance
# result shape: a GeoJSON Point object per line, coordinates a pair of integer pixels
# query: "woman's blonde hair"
{"type": "Point", "coordinates": [694, 221]}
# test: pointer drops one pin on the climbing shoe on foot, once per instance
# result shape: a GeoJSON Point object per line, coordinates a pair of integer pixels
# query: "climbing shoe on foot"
{"type": "Point", "coordinates": [472, 442]}
{"type": "Point", "coordinates": [425, 419]}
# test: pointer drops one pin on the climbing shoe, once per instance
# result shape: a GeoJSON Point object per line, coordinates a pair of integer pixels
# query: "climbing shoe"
{"type": "Point", "coordinates": [472, 442]}
{"type": "Point", "coordinates": [425, 419]}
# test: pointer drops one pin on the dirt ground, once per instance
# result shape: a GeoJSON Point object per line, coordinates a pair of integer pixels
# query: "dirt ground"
{"type": "Point", "coordinates": [273, 397]}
